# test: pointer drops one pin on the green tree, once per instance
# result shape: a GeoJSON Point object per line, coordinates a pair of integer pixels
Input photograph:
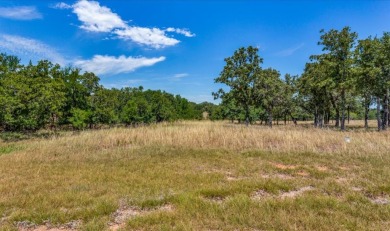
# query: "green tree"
{"type": "Point", "coordinates": [239, 75]}
{"type": "Point", "coordinates": [315, 94]}
{"type": "Point", "coordinates": [289, 98]}
{"type": "Point", "coordinates": [105, 106]}
{"type": "Point", "coordinates": [31, 97]}
{"type": "Point", "coordinates": [162, 105]}
{"type": "Point", "coordinates": [78, 90]}
{"type": "Point", "coordinates": [384, 79]}
{"type": "Point", "coordinates": [339, 45]}
{"type": "Point", "coordinates": [268, 91]}
{"type": "Point", "coordinates": [80, 118]}
{"type": "Point", "coordinates": [367, 71]}
{"type": "Point", "coordinates": [136, 111]}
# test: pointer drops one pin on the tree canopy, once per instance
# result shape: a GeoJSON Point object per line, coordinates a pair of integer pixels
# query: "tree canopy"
{"type": "Point", "coordinates": [48, 96]}
{"type": "Point", "coordinates": [348, 78]}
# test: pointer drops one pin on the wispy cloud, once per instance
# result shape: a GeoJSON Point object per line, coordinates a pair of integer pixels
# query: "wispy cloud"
{"type": "Point", "coordinates": [152, 37]}
{"type": "Point", "coordinates": [29, 48]}
{"type": "Point", "coordinates": [61, 6]}
{"type": "Point", "coordinates": [111, 65]}
{"type": "Point", "coordinates": [180, 75]}
{"type": "Point", "coordinates": [97, 18]}
{"type": "Point", "coordinates": [290, 51]}
{"type": "Point", "coordinates": [20, 13]}
{"type": "Point", "coordinates": [184, 32]}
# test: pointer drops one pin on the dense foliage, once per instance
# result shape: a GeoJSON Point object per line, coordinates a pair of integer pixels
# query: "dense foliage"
{"type": "Point", "coordinates": [345, 81]}
{"type": "Point", "coordinates": [48, 96]}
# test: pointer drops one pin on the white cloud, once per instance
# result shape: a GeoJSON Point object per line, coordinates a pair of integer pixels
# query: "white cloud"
{"type": "Point", "coordinates": [29, 48]}
{"type": "Point", "coordinates": [184, 32]}
{"type": "Point", "coordinates": [20, 13]}
{"type": "Point", "coordinates": [61, 5]}
{"type": "Point", "coordinates": [110, 65]}
{"type": "Point", "coordinates": [97, 18]}
{"type": "Point", "coordinates": [153, 37]}
{"type": "Point", "coordinates": [180, 75]}
{"type": "Point", "coordinates": [290, 51]}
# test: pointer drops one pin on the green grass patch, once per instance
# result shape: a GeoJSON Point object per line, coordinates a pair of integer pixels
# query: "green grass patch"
{"type": "Point", "coordinates": [9, 148]}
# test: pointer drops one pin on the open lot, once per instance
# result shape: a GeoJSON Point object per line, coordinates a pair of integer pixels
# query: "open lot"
{"type": "Point", "coordinates": [198, 176]}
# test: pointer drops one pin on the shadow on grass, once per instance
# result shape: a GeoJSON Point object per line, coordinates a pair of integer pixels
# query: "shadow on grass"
{"type": "Point", "coordinates": [19, 136]}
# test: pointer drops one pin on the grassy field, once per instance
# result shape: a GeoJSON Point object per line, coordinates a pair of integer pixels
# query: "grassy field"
{"type": "Point", "coordinates": [198, 176]}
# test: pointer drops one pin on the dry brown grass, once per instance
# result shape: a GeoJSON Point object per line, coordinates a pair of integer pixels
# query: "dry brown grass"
{"type": "Point", "coordinates": [213, 176]}
{"type": "Point", "coordinates": [223, 135]}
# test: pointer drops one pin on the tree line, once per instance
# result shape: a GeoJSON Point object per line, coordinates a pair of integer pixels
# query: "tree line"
{"type": "Point", "coordinates": [46, 95]}
{"type": "Point", "coordinates": [349, 79]}
{"type": "Point", "coordinates": [351, 76]}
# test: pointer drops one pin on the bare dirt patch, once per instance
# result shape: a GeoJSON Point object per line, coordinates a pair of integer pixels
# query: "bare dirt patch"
{"type": "Point", "coordinates": [44, 228]}
{"type": "Point", "coordinates": [380, 200]}
{"type": "Point", "coordinates": [124, 213]}
{"type": "Point", "coordinates": [303, 173]}
{"type": "Point", "coordinates": [341, 180]}
{"type": "Point", "coordinates": [347, 168]}
{"type": "Point", "coordinates": [260, 194]}
{"type": "Point", "coordinates": [356, 189]}
{"type": "Point", "coordinates": [278, 175]}
{"type": "Point", "coordinates": [344, 168]}
{"type": "Point", "coordinates": [231, 177]}
{"type": "Point", "coordinates": [29, 226]}
{"type": "Point", "coordinates": [284, 166]}
{"type": "Point", "coordinates": [322, 168]}
{"type": "Point", "coordinates": [215, 199]}
{"type": "Point", "coordinates": [121, 215]}
{"type": "Point", "coordinates": [295, 193]}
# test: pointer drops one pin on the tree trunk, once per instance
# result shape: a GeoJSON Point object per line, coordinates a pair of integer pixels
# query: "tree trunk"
{"type": "Point", "coordinates": [269, 117]}
{"type": "Point", "coordinates": [342, 111]}
{"type": "Point", "coordinates": [321, 121]}
{"type": "Point", "coordinates": [378, 113]}
{"type": "Point", "coordinates": [366, 111]}
{"type": "Point", "coordinates": [326, 118]}
{"type": "Point", "coordinates": [348, 114]}
{"type": "Point", "coordinates": [386, 111]}
{"type": "Point", "coordinates": [315, 118]}
{"type": "Point", "coordinates": [337, 109]}
{"type": "Point", "coordinates": [293, 119]}
{"type": "Point", "coordinates": [247, 116]}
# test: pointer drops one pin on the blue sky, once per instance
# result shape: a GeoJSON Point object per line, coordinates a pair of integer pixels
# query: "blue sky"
{"type": "Point", "coordinates": [177, 46]}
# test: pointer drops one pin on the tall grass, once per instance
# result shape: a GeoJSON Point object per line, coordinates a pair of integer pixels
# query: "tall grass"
{"type": "Point", "coordinates": [223, 135]}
